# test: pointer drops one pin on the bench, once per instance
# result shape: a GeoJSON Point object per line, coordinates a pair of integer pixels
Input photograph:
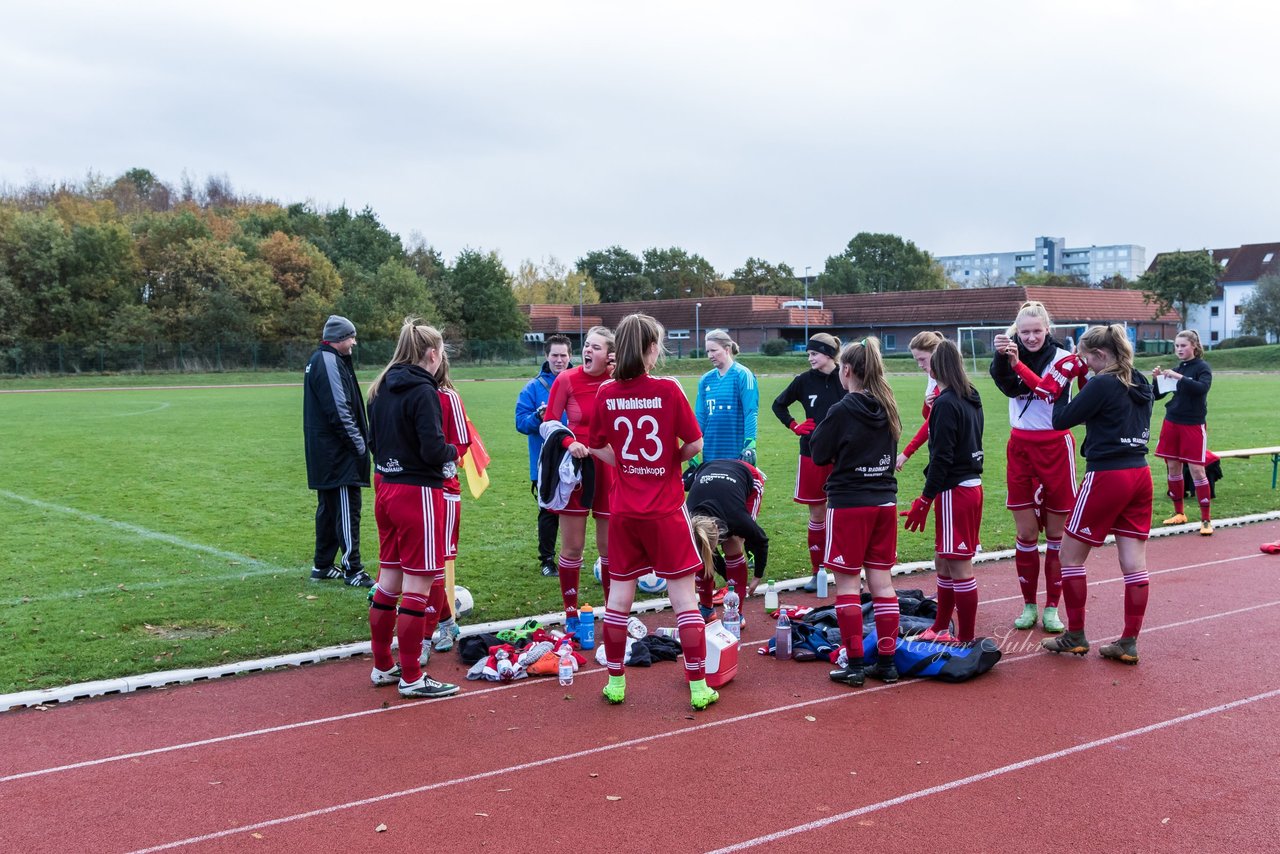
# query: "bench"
{"type": "Point", "coordinates": [1245, 453]}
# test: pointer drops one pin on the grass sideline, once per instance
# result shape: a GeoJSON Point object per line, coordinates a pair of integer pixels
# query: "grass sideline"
{"type": "Point", "coordinates": [155, 529]}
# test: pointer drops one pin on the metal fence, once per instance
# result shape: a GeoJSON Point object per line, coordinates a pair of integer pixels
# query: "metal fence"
{"type": "Point", "coordinates": [69, 357]}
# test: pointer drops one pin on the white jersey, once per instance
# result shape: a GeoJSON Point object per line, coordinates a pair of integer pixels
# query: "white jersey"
{"type": "Point", "coordinates": [1028, 412]}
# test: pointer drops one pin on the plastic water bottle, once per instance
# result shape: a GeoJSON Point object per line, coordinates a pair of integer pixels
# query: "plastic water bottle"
{"type": "Point", "coordinates": [586, 627]}
{"type": "Point", "coordinates": [782, 636]}
{"type": "Point", "coordinates": [822, 583]}
{"type": "Point", "coordinates": [732, 613]}
{"type": "Point", "coordinates": [770, 597]}
{"type": "Point", "coordinates": [566, 664]}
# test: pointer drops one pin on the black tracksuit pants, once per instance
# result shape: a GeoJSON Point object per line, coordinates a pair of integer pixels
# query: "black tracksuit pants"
{"type": "Point", "coordinates": [338, 528]}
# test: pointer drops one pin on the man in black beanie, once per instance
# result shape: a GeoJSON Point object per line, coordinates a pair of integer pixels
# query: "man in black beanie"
{"type": "Point", "coordinates": [336, 432]}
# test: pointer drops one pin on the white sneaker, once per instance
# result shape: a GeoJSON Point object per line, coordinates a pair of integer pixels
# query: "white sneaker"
{"type": "Point", "coordinates": [385, 677]}
{"type": "Point", "coordinates": [426, 688]}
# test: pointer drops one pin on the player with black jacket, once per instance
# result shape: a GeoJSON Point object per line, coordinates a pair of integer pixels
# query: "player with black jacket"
{"type": "Point", "coordinates": [413, 461]}
{"type": "Point", "coordinates": [954, 478]}
{"type": "Point", "coordinates": [816, 390]}
{"type": "Point", "coordinates": [1115, 495]}
{"type": "Point", "coordinates": [1184, 438]}
{"type": "Point", "coordinates": [859, 440]}
{"type": "Point", "coordinates": [730, 492]}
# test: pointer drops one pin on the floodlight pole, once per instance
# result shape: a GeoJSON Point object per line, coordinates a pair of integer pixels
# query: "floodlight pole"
{"type": "Point", "coordinates": [581, 336]}
{"type": "Point", "coordinates": [697, 324]}
{"type": "Point", "coordinates": [806, 304]}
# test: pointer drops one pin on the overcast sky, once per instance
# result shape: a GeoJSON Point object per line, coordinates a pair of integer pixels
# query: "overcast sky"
{"type": "Point", "coordinates": [732, 129]}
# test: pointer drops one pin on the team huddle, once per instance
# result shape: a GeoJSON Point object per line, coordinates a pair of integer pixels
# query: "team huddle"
{"type": "Point", "coordinates": [674, 490]}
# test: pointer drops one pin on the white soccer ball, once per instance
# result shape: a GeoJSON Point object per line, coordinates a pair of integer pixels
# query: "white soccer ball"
{"type": "Point", "coordinates": [463, 601]}
{"type": "Point", "coordinates": [651, 583]}
{"type": "Point", "coordinates": [596, 569]}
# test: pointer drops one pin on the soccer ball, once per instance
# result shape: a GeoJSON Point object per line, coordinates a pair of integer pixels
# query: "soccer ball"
{"type": "Point", "coordinates": [596, 569]}
{"type": "Point", "coordinates": [651, 583]}
{"type": "Point", "coordinates": [463, 601]}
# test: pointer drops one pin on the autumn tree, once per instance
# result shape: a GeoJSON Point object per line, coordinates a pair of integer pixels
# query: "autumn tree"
{"type": "Point", "coordinates": [1179, 280]}
{"type": "Point", "coordinates": [876, 263]}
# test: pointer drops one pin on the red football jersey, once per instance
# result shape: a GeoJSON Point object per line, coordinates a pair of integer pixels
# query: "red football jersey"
{"type": "Point", "coordinates": [574, 392]}
{"type": "Point", "coordinates": [453, 420]}
{"type": "Point", "coordinates": [645, 421]}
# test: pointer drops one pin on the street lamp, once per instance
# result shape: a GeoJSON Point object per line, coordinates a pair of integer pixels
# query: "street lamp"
{"type": "Point", "coordinates": [806, 304]}
{"type": "Point", "coordinates": [697, 324]}
{"type": "Point", "coordinates": [581, 284]}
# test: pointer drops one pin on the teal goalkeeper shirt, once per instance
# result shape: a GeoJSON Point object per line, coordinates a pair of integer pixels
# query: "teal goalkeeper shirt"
{"type": "Point", "coordinates": [727, 410]}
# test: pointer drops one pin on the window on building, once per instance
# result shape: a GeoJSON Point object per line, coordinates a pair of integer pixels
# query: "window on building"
{"type": "Point", "coordinates": [891, 341]}
{"type": "Point", "coordinates": [1213, 336]}
{"type": "Point", "coordinates": [1239, 309]}
{"type": "Point", "coordinates": [1123, 253]}
{"type": "Point", "coordinates": [1266, 259]}
{"type": "Point", "coordinates": [678, 334]}
{"type": "Point", "coordinates": [1213, 311]}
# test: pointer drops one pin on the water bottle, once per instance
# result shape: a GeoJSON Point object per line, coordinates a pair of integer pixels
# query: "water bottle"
{"type": "Point", "coordinates": [566, 664]}
{"type": "Point", "coordinates": [782, 636]}
{"type": "Point", "coordinates": [732, 614]}
{"type": "Point", "coordinates": [822, 583]}
{"type": "Point", "coordinates": [770, 597]}
{"type": "Point", "coordinates": [505, 668]}
{"type": "Point", "coordinates": [586, 627]}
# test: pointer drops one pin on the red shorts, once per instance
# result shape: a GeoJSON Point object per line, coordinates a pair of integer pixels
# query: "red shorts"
{"type": "Point", "coordinates": [411, 528]}
{"type": "Point", "coordinates": [452, 522]}
{"type": "Point", "coordinates": [861, 536]}
{"type": "Point", "coordinates": [639, 545]}
{"type": "Point", "coordinates": [957, 521]}
{"type": "Point", "coordinates": [1112, 502]}
{"type": "Point", "coordinates": [1045, 458]}
{"type": "Point", "coordinates": [600, 497]}
{"type": "Point", "coordinates": [810, 482]}
{"type": "Point", "coordinates": [1185, 442]}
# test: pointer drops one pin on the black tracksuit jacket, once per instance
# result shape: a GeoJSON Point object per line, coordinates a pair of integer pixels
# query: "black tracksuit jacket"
{"type": "Point", "coordinates": [854, 439]}
{"type": "Point", "coordinates": [405, 433]}
{"type": "Point", "coordinates": [1117, 420]}
{"type": "Point", "coordinates": [955, 442]}
{"type": "Point", "coordinates": [1190, 405]}
{"type": "Point", "coordinates": [816, 392]}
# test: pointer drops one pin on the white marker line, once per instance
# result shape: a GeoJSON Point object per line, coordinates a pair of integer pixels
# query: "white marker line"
{"type": "Point", "coordinates": [661, 736]}
{"type": "Point", "coordinates": [261, 567]}
{"type": "Point", "coordinates": [464, 695]}
{"type": "Point", "coordinates": [994, 772]}
{"type": "Point", "coordinates": [162, 406]}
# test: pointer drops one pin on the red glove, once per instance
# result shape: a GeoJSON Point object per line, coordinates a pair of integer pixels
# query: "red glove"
{"type": "Point", "coordinates": [1072, 367]}
{"type": "Point", "coordinates": [804, 428]}
{"type": "Point", "coordinates": [917, 515]}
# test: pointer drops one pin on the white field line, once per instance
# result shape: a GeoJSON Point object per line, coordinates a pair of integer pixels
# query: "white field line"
{"type": "Point", "coordinates": [122, 757]}
{"type": "Point", "coordinates": [992, 773]}
{"type": "Point", "coordinates": [662, 736]}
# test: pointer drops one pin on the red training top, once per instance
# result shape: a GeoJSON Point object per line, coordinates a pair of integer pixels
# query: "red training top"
{"type": "Point", "coordinates": [453, 419]}
{"type": "Point", "coordinates": [644, 421]}
{"type": "Point", "coordinates": [574, 392]}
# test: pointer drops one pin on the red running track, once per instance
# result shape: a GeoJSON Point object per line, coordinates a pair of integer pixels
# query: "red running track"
{"type": "Point", "coordinates": [1045, 752]}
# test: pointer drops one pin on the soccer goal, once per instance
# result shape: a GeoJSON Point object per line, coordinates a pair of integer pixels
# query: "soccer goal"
{"type": "Point", "coordinates": [976, 342]}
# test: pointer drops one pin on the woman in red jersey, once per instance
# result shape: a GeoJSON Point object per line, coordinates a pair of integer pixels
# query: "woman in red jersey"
{"type": "Point", "coordinates": [645, 429]}
{"type": "Point", "coordinates": [922, 347]}
{"type": "Point", "coordinates": [574, 393]}
{"type": "Point", "coordinates": [453, 419]}
{"type": "Point", "coordinates": [1115, 495]}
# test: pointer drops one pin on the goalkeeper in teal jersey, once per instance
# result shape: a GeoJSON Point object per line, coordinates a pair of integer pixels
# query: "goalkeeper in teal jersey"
{"type": "Point", "coordinates": [728, 403]}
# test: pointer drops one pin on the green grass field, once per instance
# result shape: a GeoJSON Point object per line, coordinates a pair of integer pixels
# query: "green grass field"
{"type": "Point", "coordinates": [151, 529]}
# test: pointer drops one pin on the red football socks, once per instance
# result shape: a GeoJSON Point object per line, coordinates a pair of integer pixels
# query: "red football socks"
{"type": "Point", "coordinates": [946, 604]}
{"type": "Point", "coordinates": [1052, 572]}
{"type": "Point", "coordinates": [411, 628]}
{"type": "Point", "coordinates": [817, 544]}
{"type": "Point", "coordinates": [1135, 602]}
{"type": "Point", "coordinates": [693, 643]}
{"type": "Point", "coordinates": [570, 571]}
{"type": "Point", "coordinates": [1026, 561]}
{"type": "Point", "coordinates": [1075, 590]}
{"type": "Point", "coordinates": [886, 614]}
{"type": "Point", "coordinates": [1175, 492]}
{"type": "Point", "coordinates": [615, 640]}
{"type": "Point", "coordinates": [966, 593]}
{"type": "Point", "coordinates": [382, 628]}
{"type": "Point", "coordinates": [604, 576]}
{"type": "Point", "coordinates": [1202, 495]}
{"type": "Point", "coordinates": [849, 619]}
{"type": "Point", "coordinates": [735, 570]}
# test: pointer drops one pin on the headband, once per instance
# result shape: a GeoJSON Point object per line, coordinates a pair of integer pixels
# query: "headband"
{"type": "Point", "coordinates": [821, 347]}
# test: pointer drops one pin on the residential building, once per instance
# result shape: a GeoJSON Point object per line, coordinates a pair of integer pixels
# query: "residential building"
{"type": "Point", "coordinates": [1241, 267]}
{"type": "Point", "coordinates": [1050, 255]}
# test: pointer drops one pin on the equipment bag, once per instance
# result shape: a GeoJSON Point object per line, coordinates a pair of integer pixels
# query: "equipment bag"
{"type": "Point", "coordinates": [948, 662]}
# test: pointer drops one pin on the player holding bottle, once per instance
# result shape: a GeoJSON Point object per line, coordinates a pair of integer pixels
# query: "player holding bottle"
{"type": "Point", "coordinates": [644, 429]}
{"type": "Point", "coordinates": [1183, 436]}
{"type": "Point", "coordinates": [1031, 368]}
{"type": "Point", "coordinates": [817, 390]}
